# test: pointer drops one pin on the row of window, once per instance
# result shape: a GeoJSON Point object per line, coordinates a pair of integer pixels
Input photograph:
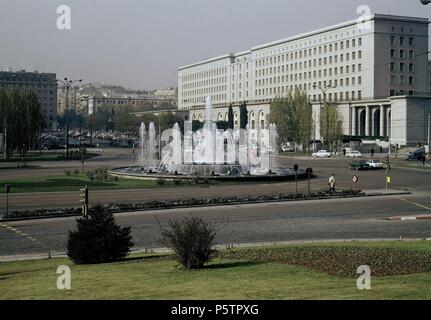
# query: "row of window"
{"type": "Point", "coordinates": [401, 67]}
{"type": "Point", "coordinates": [402, 54]}
{"type": "Point", "coordinates": [402, 41]}
{"type": "Point", "coordinates": [402, 80]}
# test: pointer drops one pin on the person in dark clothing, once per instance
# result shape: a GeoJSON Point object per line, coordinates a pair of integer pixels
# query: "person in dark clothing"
{"type": "Point", "coordinates": [423, 159]}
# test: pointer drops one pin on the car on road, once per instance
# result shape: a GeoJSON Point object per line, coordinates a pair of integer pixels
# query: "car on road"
{"type": "Point", "coordinates": [375, 164]}
{"type": "Point", "coordinates": [416, 155]}
{"type": "Point", "coordinates": [353, 154]}
{"type": "Point", "coordinates": [359, 165]}
{"type": "Point", "coordinates": [322, 154]}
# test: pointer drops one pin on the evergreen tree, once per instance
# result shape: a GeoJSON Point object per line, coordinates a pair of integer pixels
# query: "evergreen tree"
{"type": "Point", "coordinates": [230, 118]}
{"type": "Point", "coordinates": [98, 239]}
{"type": "Point", "coordinates": [243, 121]}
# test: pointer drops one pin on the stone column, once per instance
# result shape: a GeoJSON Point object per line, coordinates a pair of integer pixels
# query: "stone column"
{"type": "Point", "coordinates": [367, 120]}
{"type": "Point", "coordinates": [354, 122]}
{"type": "Point", "coordinates": [382, 121]}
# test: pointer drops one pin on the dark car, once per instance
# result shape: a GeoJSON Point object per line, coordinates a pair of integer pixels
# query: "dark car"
{"type": "Point", "coordinates": [359, 165]}
{"type": "Point", "coordinates": [416, 155]}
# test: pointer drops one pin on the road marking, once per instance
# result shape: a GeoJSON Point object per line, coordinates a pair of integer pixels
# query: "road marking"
{"type": "Point", "coordinates": [414, 203]}
{"type": "Point", "coordinates": [18, 232]}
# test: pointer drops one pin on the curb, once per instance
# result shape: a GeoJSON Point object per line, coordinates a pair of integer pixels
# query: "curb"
{"type": "Point", "coordinates": [413, 218]}
{"type": "Point", "coordinates": [245, 245]}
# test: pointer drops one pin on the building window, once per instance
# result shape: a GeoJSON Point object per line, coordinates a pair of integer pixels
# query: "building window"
{"type": "Point", "coordinates": [411, 41]}
{"type": "Point", "coordinates": [392, 40]}
{"type": "Point", "coordinates": [401, 41]}
{"type": "Point", "coordinates": [411, 80]}
{"type": "Point", "coordinates": [392, 53]}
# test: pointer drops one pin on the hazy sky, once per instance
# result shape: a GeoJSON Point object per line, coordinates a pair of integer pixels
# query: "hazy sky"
{"type": "Point", "coordinates": [141, 43]}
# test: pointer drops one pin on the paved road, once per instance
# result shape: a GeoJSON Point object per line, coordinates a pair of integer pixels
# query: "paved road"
{"type": "Point", "coordinates": [408, 179]}
{"type": "Point", "coordinates": [357, 218]}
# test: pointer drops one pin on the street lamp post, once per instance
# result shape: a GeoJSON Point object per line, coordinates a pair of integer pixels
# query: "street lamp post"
{"type": "Point", "coordinates": [67, 84]}
{"type": "Point", "coordinates": [324, 91]}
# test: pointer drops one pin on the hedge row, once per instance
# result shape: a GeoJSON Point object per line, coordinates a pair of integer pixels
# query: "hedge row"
{"type": "Point", "coordinates": [341, 261]}
{"type": "Point", "coordinates": [168, 204]}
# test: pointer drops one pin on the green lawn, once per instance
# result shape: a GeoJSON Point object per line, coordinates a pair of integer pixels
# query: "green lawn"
{"type": "Point", "coordinates": [72, 183]}
{"type": "Point", "coordinates": [152, 277]}
{"type": "Point", "coordinates": [47, 156]}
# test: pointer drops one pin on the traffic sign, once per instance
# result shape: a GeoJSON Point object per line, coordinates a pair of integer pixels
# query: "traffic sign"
{"type": "Point", "coordinates": [295, 167]}
{"type": "Point", "coordinates": [355, 179]}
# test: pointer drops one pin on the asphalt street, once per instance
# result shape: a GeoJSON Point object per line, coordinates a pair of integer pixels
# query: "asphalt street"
{"type": "Point", "coordinates": [355, 218]}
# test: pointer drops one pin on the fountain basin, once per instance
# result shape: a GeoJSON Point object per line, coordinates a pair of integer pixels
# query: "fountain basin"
{"type": "Point", "coordinates": [137, 173]}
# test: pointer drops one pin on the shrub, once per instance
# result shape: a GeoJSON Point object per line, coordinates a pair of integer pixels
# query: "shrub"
{"type": "Point", "coordinates": [160, 181]}
{"type": "Point", "coordinates": [90, 175]}
{"type": "Point", "coordinates": [101, 174]}
{"type": "Point", "coordinates": [191, 239]}
{"type": "Point", "coordinates": [177, 181]}
{"type": "Point", "coordinates": [67, 172]}
{"type": "Point", "coordinates": [76, 172]}
{"type": "Point", "coordinates": [98, 239]}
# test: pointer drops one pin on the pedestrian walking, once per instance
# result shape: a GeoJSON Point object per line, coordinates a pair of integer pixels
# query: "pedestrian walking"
{"type": "Point", "coordinates": [331, 183]}
{"type": "Point", "coordinates": [423, 159]}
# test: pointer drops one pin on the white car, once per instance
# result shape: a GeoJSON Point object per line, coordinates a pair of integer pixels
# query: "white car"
{"type": "Point", "coordinates": [353, 154]}
{"type": "Point", "coordinates": [375, 164]}
{"type": "Point", "coordinates": [322, 154]}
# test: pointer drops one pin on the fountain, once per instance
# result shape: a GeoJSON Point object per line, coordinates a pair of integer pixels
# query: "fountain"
{"type": "Point", "coordinates": [210, 153]}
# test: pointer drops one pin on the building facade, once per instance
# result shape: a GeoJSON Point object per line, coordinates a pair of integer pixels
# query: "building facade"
{"type": "Point", "coordinates": [145, 104]}
{"type": "Point", "coordinates": [43, 84]}
{"type": "Point", "coordinates": [355, 62]}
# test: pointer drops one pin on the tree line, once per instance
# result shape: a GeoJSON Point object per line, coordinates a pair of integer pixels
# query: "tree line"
{"type": "Point", "coordinates": [20, 120]}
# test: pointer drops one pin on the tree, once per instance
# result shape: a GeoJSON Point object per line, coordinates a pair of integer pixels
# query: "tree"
{"type": "Point", "coordinates": [330, 125]}
{"type": "Point", "coordinates": [243, 114]}
{"type": "Point", "coordinates": [304, 118]}
{"type": "Point", "coordinates": [98, 239]}
{"type": "Point", "coordinates": [293, 116]}
{"type": "Point", "coordinates": [20, 119]}
{"type": "Point", "coordinates": [230, 118]}
{"type": "Point", "coordinates": [222, 125]}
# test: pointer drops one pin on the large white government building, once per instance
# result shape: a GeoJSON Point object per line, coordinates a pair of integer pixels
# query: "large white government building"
{"type": "Point", "coordinates": [376, 72]}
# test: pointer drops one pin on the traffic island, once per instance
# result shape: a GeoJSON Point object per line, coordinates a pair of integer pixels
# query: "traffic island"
{"type": "Point", "coordinates": [117, 207]}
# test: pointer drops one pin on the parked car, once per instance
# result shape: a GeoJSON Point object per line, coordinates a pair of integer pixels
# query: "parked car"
{"type": "Point", "coordinates": [359, 165]}
{"type": "Point", "coordinates": [286, 148]}
{"type": "Point", "coordinates": [375, 164]}
{"type": "Point", "coordinates": [353, 154]}
{"type": "Point", "coordinates": [416, 155]}
{"type": "Point", "coordinates": [322, 154]}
